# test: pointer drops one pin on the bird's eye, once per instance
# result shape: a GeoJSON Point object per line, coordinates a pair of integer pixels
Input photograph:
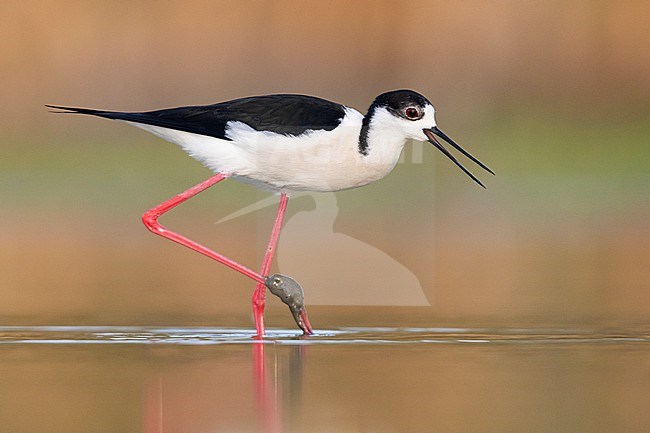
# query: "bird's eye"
{"type": "Point", "coordinates": [412, 113]}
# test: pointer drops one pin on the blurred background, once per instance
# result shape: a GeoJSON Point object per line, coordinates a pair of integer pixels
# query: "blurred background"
{"type": "Point", "coordinates": [554, 96]}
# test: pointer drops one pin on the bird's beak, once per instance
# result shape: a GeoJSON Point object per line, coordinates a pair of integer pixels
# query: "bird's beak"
{"type": "Point", "coordinates": [431, 136]}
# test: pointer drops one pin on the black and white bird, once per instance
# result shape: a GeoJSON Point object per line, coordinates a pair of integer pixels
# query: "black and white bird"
{"type": "Point", "coordinates": [286, 143]}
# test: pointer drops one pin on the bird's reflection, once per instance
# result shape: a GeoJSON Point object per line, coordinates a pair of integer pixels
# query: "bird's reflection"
{"type": "Point", "coordinates": [213, 395]}
{"type": "Point", "coordinates": [278, 385]}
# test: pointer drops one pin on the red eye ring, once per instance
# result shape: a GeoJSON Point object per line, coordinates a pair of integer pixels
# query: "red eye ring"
{"type": "Point", "coordinates": [412, 113]}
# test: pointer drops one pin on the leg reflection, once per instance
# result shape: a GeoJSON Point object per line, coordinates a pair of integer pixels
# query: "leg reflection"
{"type": "Point", "coordinates": [292, 358]}
{"type": "Point", "coordinates": [278, 385]}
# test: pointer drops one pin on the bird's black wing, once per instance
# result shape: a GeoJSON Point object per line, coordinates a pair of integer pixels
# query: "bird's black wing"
{"type": "Point", "coordinates": [282, 114]}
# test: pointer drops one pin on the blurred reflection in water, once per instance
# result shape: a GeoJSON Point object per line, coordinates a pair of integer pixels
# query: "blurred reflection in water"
{"type": "Point", "coordinates": [278, 386]}
{"type": "Point", "coordinates": [365, 380]}
{"type": "Point", "coordinates": [275, 398]}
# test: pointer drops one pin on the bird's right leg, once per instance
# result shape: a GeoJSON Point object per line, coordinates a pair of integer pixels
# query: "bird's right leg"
{"type": "Point", "coordinates": [259, 295]}
{"type": "Point", "coordinates": [150, 220]}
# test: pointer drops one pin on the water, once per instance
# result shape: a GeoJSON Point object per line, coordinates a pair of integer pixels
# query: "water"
{"type": "Point", "coordinates": [155, 379]}
{"type": "Point", "coordinates": [343, 336]}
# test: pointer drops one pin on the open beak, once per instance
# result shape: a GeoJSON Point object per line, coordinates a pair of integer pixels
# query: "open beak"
{"type": "Point", "coordinates": [431, 136]}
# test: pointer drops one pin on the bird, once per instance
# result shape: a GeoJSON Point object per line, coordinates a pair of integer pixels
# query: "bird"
{"type": "Point", "coordinates": [287, 143]}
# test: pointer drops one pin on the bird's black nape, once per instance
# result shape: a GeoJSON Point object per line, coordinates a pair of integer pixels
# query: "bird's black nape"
{"type": "Point", "coordinates": [397, 100]}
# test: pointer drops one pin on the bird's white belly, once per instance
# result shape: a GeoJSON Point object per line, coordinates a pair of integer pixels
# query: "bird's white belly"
{"type": "Point", "coordinates": [318, 161]}
{"type": "Point", "coordinates": [334, 174]}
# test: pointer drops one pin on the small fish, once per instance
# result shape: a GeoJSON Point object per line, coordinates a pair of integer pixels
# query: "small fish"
{"type": "Point", "coordinates": [291, 293]}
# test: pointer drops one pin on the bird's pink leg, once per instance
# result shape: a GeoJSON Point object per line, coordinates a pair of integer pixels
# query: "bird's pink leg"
{"type": "Point", "coordinates": [150, 219]}
{"type": "Point", "coordinates": [259, 295]}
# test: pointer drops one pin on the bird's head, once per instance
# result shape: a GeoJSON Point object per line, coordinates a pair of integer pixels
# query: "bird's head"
{"type": "Point", "coordinates": [412, 116]}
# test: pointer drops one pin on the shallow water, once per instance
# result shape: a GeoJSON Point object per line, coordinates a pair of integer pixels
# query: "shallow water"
{"type": "Point", "coordinates": [154, 379]}
{"type": "Point", "coordinates": [342, 336]}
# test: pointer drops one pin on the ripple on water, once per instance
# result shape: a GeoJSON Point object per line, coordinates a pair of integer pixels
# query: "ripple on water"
{"type": "Point", "coordinates": [342, 336]}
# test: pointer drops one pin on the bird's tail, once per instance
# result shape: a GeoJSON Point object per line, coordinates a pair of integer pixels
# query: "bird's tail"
{"type": "Point", "coordinates": [101, 113]}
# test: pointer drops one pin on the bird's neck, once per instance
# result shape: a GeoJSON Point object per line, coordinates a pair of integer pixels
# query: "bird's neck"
{"type": "Point", "coordinates": [379, 141]}
{"type": "Point", "coordinates": [365, 130]}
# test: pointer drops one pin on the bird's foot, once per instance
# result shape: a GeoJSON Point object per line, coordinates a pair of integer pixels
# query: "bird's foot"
{"type": "Point", "coordinates": [291, 293]}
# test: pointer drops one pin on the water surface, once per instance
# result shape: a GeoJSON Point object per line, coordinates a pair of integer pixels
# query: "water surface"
{"type": "Point", "coordinates": [155, 379]}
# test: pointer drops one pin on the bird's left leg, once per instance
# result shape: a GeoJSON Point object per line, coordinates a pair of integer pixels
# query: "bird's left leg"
{"type": "Point", "coordinates": [259, 295]}
{"type": "Point", "coordinates": [150, 220]}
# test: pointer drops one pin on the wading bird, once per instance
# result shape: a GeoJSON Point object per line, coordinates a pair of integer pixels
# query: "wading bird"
{"type": "Point", "coordinates": [286, 143]}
